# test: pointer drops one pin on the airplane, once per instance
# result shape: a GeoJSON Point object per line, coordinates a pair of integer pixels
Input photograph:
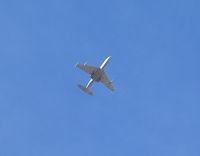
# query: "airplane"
{"type": "Point", "coordinates": [97, 74]}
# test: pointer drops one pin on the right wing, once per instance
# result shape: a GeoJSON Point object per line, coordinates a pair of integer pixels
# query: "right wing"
{"type": "Point", "coordinates": [86, 68]}
{"type": "Point", "coordinates": [107, 82]}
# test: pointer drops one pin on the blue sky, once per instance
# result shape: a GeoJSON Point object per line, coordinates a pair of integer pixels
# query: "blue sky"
{"type": "Point", "coordinates": [155, 67]}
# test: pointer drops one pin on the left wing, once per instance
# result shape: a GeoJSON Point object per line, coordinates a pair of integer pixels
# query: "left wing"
{"type": "Point", "coordinates": [107, 82]}
{"type": "Point", "coordinates": [86, 68]}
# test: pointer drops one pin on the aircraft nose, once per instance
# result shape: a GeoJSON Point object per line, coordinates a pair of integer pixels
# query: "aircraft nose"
{"type": "Point", "coordinates": [108, 58]}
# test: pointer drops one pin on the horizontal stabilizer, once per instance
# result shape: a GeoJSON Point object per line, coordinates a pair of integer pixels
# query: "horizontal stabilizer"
{"type": "Point", "coordinates": [86, 90]}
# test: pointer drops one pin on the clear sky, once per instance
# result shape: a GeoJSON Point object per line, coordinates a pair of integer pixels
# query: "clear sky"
{"type": "Point", "coordinates": [155, 65]}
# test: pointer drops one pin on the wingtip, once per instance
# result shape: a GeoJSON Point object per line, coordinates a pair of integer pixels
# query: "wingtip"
{"type": "Point", "coordinates": [76, 65]}
{"type": "Point", "coordinates": [112, 89]}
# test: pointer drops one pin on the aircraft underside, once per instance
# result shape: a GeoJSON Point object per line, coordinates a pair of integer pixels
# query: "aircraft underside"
{"type": "Point", "coordinates": [97, 75]}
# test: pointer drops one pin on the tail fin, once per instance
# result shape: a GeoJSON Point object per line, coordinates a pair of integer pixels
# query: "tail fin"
{"type": "Point", "coordinates": [86, 90]}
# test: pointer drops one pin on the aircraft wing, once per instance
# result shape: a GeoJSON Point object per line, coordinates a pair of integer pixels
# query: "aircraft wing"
{"type": "Point", "coordinates": [86, 68]}
{"type": "Point", "coordinates": [107, 82]}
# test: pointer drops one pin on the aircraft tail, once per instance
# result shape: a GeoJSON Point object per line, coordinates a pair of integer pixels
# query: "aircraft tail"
{"type": "Point", "coordinates": [86, 90]}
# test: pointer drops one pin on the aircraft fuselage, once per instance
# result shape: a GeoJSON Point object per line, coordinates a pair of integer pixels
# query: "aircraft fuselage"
{"type": "Point", "coordinates": [96, 76]}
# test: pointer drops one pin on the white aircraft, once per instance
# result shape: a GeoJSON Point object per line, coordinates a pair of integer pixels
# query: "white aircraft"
{"type": "Point", "coordinates": [97, 75]}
